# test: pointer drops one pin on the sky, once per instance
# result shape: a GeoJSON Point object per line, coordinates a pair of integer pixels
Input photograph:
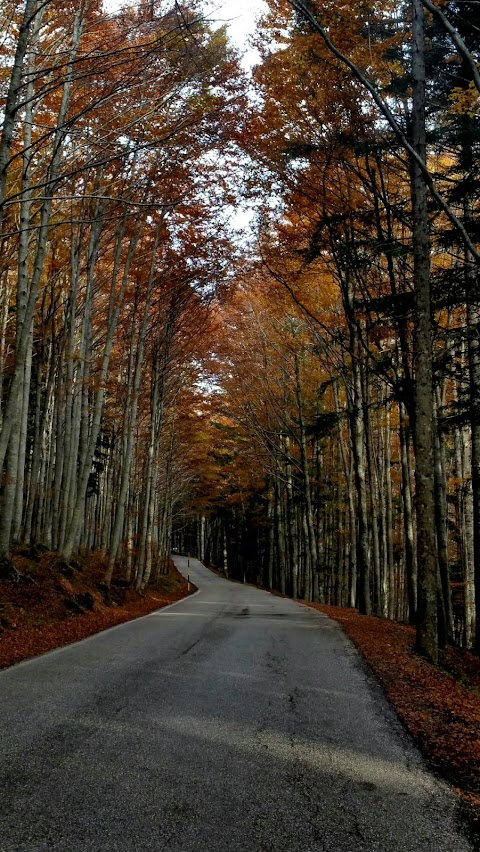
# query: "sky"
{"type": "Point", "coordinates": [240, 15]}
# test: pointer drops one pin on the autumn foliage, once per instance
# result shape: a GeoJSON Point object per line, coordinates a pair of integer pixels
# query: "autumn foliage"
{"type": "Point", "coordinates": [297, 402]}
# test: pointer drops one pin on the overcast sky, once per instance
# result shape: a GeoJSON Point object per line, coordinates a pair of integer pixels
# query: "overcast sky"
{"type": "Point", "coordinates": [240, 16]}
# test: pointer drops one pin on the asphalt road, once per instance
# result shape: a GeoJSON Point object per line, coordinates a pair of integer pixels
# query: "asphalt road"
{"type": "Point", "coordinates": [233, 721]}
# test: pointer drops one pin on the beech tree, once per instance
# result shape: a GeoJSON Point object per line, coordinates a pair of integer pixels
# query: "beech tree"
{"type": "Point", "coordinates": [294, 411]}
{"type": "Point", "coordinates": [365, 207]}
{"type": "Point", "coordinates": [423, 350]}
{"type": "Point", "coordinates": [105, 168]}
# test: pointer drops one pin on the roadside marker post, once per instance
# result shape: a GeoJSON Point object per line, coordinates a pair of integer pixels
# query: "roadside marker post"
{"type": "Point", "coordinates": [188, 572]}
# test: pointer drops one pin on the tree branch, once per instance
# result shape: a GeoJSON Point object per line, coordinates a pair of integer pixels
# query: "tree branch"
{"type": "Point", "coordinates": [389, 116]}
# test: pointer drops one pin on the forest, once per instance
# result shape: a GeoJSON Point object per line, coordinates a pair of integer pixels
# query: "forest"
{"type": "Point", "coordinates": [294, 400]}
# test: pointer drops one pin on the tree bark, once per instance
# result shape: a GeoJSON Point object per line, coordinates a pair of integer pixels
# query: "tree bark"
{"type": "Point", "coordinates": [427, 626]}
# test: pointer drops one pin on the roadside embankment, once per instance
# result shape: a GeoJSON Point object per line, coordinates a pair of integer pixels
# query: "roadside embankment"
{"type": "Point", "coordinates": [50, 605]}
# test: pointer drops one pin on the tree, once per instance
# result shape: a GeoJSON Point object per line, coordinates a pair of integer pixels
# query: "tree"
{"type": "Point", "coordinates": [111, 170]}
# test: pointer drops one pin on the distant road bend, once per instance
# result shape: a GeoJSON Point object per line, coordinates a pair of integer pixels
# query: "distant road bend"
{"type": "Point", "coordinates": [233, 721]}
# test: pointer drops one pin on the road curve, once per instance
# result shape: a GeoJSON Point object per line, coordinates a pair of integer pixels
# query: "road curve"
{"type": "Point", "coordinates": [233, 721]}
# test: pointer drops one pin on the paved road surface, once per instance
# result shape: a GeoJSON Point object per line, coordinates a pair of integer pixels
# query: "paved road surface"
{"type": "Point", "coordinates": [234, 721]}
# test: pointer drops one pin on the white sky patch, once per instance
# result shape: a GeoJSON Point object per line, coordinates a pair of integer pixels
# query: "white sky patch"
{"type": "Point", "coordinates": [241, 17]}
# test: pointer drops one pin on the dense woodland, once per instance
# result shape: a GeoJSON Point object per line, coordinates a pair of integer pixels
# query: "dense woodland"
{"type": "Point", "coordinates": [298, 404]}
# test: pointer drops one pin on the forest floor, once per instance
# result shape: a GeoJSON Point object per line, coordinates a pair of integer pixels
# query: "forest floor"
{"type": "Point", "coordinates": [52, 605]}
{"type": "Point", "coordinates": [439, 705]}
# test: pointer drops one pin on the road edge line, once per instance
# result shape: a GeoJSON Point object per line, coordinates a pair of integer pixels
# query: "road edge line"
{"type": "Point", "coordinates": [92, 636]}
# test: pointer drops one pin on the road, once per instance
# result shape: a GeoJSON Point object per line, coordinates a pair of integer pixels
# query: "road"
{"type": "Point", "coordinates": [233, 721]}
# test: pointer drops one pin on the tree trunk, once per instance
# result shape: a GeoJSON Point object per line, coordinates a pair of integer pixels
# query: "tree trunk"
{"type": "Point", "coordinates": [427, 627]}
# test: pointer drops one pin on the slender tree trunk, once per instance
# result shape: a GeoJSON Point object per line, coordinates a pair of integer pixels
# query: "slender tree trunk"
{"type": "Point", "coordinates": [132, 405]}
{"type": "Point", "coordinates": [358, 449]}
{"type": "Point", "coordinates": [408, 517]}
{"type": "Point", "coordinates": [389, 521]}
{"type": "Point", "coordinates": [11, 413]}
{"type": "Point", "coordinates": [280, 537]}
{"type": "Point", "coordinates": [271, 536]}
{"type": "Point", "coordinates": [347, 470]}
{"type": "Point", "coordinates": [13, 96]}
{"type": "Point", "coordinates": [427, 626]}
{"type": "Point", "coordinates": [312, 566]}
{"type": "Point", "coordinates": [445, 615]}
{"type": "Point", "coordinates": [292, 537]}
{"type": "Point", "coordinates": [373, 488]}
{"type": "Point", "coordinates": [116, 303]}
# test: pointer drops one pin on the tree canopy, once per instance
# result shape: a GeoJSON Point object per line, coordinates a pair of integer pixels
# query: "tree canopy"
{"type": "Point", "coordinates": [299, 404]}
